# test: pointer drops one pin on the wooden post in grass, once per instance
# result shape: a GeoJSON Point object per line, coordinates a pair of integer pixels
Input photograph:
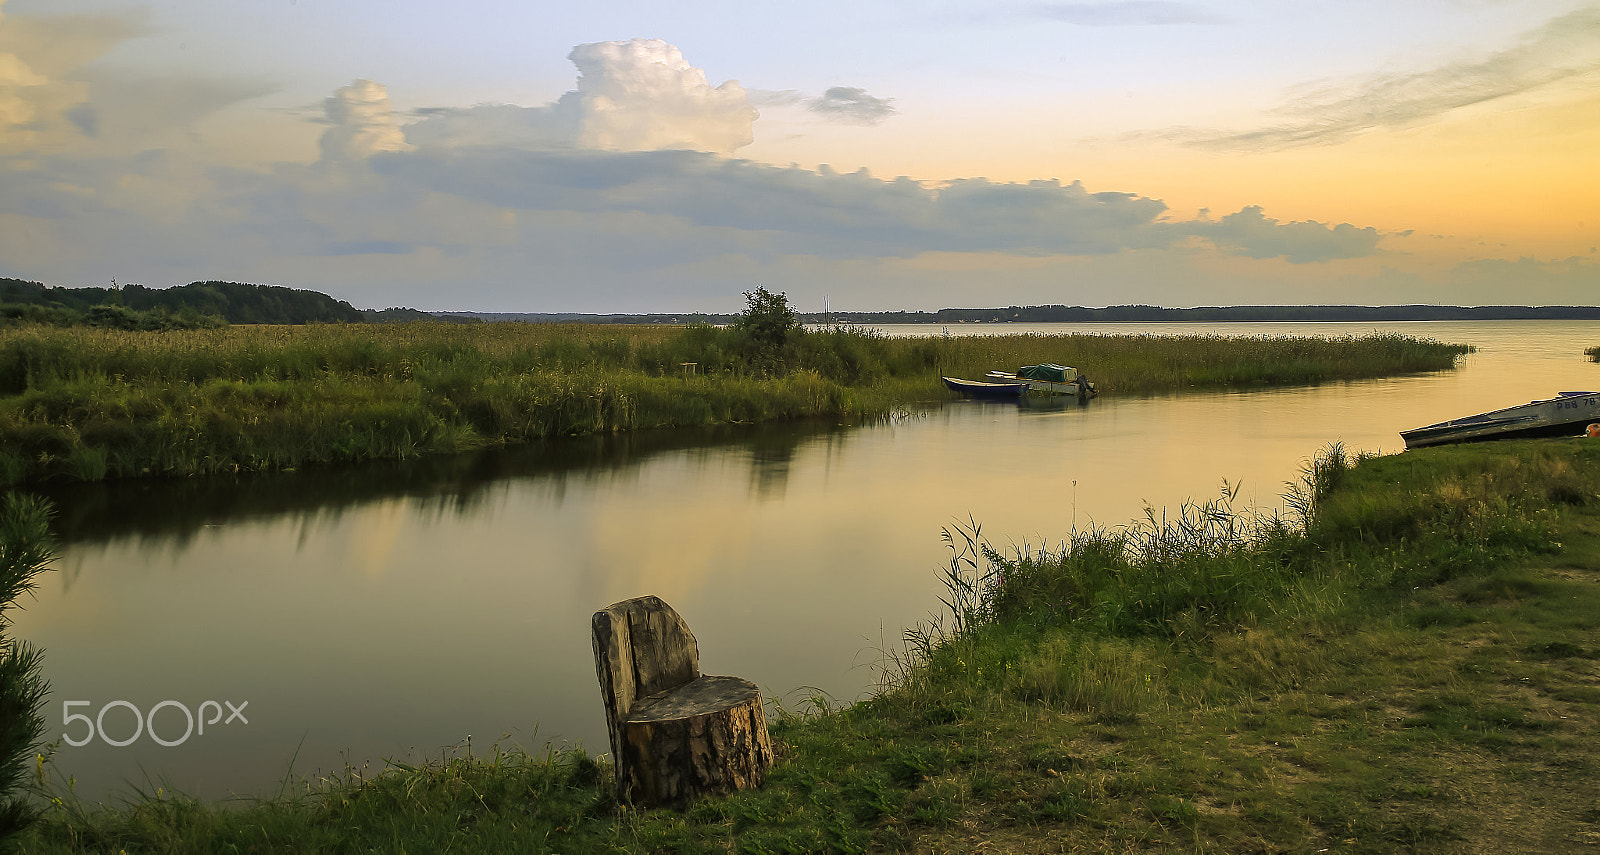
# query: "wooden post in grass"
{"type": "Point", "coordinates": [676, 735]}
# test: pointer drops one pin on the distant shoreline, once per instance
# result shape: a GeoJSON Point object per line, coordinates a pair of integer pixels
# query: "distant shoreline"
{"type": "Point", "coordinates": [245, 303]}
{"type": "Point", "coordinates": [1081, 314]}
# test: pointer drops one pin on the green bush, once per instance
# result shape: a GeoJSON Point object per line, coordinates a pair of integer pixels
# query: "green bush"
{"type": "Point", "coordinates": [25, 549]}
{"type": "Point", "coordinates": [768, 323]}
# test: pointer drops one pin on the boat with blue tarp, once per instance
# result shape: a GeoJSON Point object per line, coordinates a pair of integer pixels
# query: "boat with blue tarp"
{"type": "Point", "coordinates": [1049, 378]}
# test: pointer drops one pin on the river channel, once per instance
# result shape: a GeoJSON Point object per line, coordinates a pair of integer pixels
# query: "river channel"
{"type": "Point", "coordinates": [387, 612]}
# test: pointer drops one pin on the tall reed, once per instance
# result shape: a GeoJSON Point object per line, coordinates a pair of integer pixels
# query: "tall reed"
{"type": "Point", "coordinates": [1209, 564]}
{"type": "Point", "coordinates": [85, 404]}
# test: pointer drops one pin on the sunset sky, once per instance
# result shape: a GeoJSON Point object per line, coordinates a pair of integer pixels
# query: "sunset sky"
{"type": "Point", "coordinates": [514, 156]}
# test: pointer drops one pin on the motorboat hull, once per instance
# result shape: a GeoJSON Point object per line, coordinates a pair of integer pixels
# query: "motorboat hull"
{"type": "Point", "coordinates": [1076, 388]}
{"type": "Point", "coordinates": [976, 389]}
{"type": "Point", "coordinates": [1565, 415]}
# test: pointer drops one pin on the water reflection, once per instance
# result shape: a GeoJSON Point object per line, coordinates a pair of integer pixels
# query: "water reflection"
{"type": "Point", "coordinates": [175, 510]}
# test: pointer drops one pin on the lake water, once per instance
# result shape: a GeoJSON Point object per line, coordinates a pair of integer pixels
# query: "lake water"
{"type": "Point", "coordinates": [389, 611]}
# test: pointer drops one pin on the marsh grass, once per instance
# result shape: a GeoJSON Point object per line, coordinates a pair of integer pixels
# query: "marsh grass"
{"type": "Point", "coordinates": [1209, 679]}
{"type": "Point", "coordinates": [494, 802]}
{"type": "Point", "coordinates": [85, 404]}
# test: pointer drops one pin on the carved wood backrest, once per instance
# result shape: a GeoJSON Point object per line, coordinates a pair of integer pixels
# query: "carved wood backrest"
{"type": "Point", "coordinates": [641, 646]}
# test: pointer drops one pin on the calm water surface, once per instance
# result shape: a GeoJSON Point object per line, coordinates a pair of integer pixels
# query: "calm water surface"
{"type": "Point", "coordinates": [387, 612]}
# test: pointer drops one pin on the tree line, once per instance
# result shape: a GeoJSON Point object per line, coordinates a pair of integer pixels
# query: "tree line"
{"type": "Point", "coordinates": [192, 306]}
{"type": "Point", "coordinates": [1212, 314]}
{"type": "Point", "coordinates": [201, 304]}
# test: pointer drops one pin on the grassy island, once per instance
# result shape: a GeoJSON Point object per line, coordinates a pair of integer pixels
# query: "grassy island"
{"type": "Point", "coordinates": [91, 403]}
{"type": "Point", "coordinates": [1403, 661]}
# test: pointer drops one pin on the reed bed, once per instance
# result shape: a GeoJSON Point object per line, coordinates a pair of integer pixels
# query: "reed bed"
{"type": "Point", "coordinates": [1209, 567]}
{"type": "Point", "coordinates": [1149, 364]}
{"type": "Point", "coordinates": [86, 404]}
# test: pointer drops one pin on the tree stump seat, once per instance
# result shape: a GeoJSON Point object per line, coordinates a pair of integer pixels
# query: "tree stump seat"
{"type": "Point", "coordinates": [675, 734]}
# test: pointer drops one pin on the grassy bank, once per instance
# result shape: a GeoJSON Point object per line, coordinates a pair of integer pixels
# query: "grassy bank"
{"type": "Point", "coordinates": [87, 404]}
{"type": "Point", "coordinates": [1404, 663]}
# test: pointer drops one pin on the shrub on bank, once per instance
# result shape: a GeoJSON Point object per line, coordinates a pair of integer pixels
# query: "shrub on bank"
{"type": "Point", "coordinates": [24, 551]}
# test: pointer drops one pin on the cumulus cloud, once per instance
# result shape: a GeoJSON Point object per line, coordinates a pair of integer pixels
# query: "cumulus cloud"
{"type": "Point", "coordinates": [638, 95]}
{"type": "Point", "coordinates": [1562, 50]}
{"type": "Point", "coordinates": [362, 123]}
{"type": "Point", "coordinates": [641, 95]}
{"type": "Point", "coordinates": [1128, 13]}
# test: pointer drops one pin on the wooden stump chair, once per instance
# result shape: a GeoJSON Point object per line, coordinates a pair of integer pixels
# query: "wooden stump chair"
{"type": "Point", "coordinates": [675, 733]}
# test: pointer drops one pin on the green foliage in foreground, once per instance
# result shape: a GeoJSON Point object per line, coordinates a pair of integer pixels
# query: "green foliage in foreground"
{"type": "Point", "coordinates": [88, 404]}
{"type": "Point", "coordinates": [25, 549]}
{"type": "Point", "coordinates": [107, 317]}
{"type": "Point", "coordinates": [1403, 662]}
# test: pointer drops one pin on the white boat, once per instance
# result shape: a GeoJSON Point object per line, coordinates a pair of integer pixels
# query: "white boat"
{"type": "Point", "coordinates": [1567, 414]}
{"type": "Point", "coordinates": [1050, 378]}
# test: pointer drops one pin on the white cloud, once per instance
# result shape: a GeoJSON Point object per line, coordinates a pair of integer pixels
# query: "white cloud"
{"type": "Point", "coordinates": [638, 95]}
{"type": "Point", "coordinates": [363, 123]}
{"type": "Point", "coordinates": [641, 95]}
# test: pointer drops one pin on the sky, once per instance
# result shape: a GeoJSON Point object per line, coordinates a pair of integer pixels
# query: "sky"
{"type": "Point", "coordinates": [518, 156]}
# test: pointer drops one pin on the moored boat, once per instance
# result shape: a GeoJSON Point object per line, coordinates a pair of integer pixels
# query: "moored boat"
{"type": "Point", "coordinates": [1050, 378]}
{"type": "Point", "coordinates": [1567, 414]}
{"type": "Point", "coordinates": [977, 389]}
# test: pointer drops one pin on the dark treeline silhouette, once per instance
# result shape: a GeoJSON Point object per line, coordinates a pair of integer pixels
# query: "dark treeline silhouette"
{"type": "Point", "coordinates": [136, 306]}
{"type": "Point", "coordinates": [1082, 314]}
{"type": "Point", "coordinates": [1146, 314]}
{"type": "Point", "coordinates": [398, 315]}
{"type": "Point", "coordinates": [240, 303]}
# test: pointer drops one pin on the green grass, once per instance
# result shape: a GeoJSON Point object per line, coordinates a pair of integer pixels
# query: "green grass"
{"type": "Point", "coordinates": [86, 404]}
{"type": "Point", "coordinates": [1404, 663]}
